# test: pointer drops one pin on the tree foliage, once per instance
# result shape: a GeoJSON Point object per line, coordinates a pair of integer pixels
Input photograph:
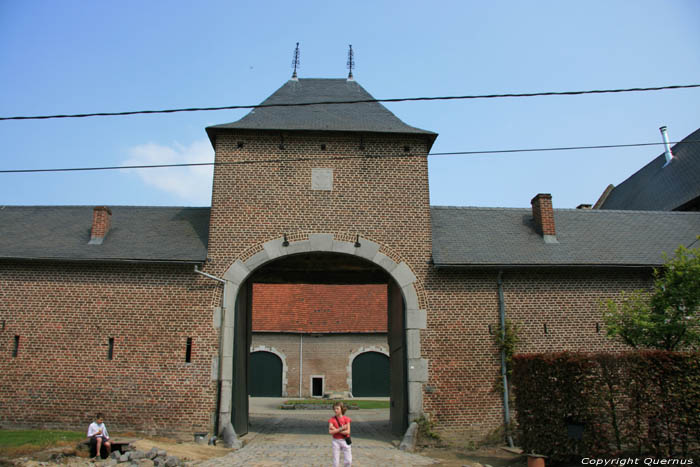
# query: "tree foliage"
{"type": "Point", "coordinates": [668, 316]}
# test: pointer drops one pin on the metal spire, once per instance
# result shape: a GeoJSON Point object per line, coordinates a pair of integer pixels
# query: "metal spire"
{"type": "Point", "coordinates": [351, 62]}
{"type": "Point", "coordinates": [295, 62]}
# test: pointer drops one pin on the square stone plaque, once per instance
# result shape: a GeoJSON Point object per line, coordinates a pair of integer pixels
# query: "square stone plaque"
{"type": "Point", "coordinates": [322, 179]}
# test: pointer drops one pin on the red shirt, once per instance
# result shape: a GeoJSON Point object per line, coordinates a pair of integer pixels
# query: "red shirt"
{"type": "Point", "coordinates": [343, 421]}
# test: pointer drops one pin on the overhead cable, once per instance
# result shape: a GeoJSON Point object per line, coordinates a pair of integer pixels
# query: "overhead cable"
{"type": "Point", "coordinates": [359, 101]}
{"type": "Point", "coordinates": [362, 156]}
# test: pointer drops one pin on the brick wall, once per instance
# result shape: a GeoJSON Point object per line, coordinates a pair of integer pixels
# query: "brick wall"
{"type": "Point", "coordinates": [65, 314]}
{"type": "Point", "coordinates": [464, 360]}
{"type": "Point", "coordinates": [323, 355]}
{"type": "Point", "coordinates": [377, 193]}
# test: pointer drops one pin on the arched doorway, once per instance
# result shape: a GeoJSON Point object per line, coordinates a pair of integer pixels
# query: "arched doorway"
{"type": "Point", "coordinates": [265, 374]}
{"type": "Point", "coordinates": [323, 259]}
{"type": "Point", "coordinates": [370, 375]}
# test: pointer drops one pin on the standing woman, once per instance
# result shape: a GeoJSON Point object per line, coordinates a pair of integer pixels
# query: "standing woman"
{"type": "Point", "coordinates": [339, 427]}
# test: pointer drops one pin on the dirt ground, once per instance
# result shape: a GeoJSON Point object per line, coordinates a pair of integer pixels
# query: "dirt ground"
{"type": "Point", "coordinates": [193, 452]}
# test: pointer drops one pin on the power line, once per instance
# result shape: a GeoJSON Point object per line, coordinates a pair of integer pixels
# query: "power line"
{"type": "Point", "coordinates": [368, 156]}
{"type": "Point", "coordinates": [360, 101]}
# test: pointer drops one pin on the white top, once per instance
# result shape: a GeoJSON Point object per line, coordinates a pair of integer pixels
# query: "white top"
{"type": "Point", "coordinates": [95, 429]}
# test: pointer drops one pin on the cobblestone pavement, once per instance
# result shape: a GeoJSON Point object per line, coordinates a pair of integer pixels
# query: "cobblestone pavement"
{"type": "Point", "coordinates": [300, 438]}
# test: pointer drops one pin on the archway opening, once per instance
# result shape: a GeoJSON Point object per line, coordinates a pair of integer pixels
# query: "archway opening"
{"type": "Point", "coordinates": [322, 310]}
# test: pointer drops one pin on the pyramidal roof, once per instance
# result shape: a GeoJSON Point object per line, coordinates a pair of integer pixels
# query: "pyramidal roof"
{"type": "Point", "coordinates": [360, 117]}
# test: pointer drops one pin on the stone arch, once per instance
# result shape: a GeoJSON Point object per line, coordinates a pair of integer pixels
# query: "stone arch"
{"type": "Point", "coordinates": [358, 352]}
{"type": "Point", "coordinates": [282, 356]}
{"type": "Point", "coordinates": [400, 272]}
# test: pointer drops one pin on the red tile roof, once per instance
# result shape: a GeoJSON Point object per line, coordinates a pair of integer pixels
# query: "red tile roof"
{"type": "Point", "coordinates": [319, 308]}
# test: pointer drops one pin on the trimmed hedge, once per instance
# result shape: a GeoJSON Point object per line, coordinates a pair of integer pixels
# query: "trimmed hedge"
{"type": "Point", "coordinates": [571, 406]}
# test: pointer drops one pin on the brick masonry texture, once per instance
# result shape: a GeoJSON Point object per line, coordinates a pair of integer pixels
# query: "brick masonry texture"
{"type": "Point", "coordinates": [323, 355]}
{"type": "Point", "coordinates": [65, 313]}
{"type": "Point", "coordinates": [320, 308]}
{"type": "Point", "coordinates": [464, 360]}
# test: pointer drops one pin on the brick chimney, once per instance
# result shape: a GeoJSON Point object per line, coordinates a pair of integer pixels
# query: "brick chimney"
{"type": "Point", "coordinates": [543, 214]}
{"type": "Point", "coordinates": [101, 221]}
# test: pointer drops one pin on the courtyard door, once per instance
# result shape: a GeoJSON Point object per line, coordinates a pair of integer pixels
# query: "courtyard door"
{"type": "Point", "coordinates": [265, 375]}
{"type": "Point", "coordinates": [370, 375]}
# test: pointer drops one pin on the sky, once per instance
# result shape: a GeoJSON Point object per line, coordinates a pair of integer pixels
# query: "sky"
{"type": "Point", "coordinates": [110, 56]}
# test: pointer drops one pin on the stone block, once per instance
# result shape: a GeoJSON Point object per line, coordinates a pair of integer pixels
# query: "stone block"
{"type": "Point", "coordinates": [227, 368]}
{"type": "Point", "coordinates": [410, 297]}
{"type": "Point", "coordinates": [385, 262]}
{"type": "Point", "coordinates": [413, 343]}
{"type": "Point", "coordinates": [322, 179]}
{"type": "Point", "coordinates": [403, 275]}
{"type": "Point", "coordinates": [216, 317]}
{"type": "Point", "coordinates": [227, 342]}
{"type": "Point", "coordinates": [321, 242]}
{"type": "Point", "coordinates": [303, 246]}
{"type": "Point", "coordinates": [416, 319]}
{"type": "Point", "coordinates": [238, 272]}
{"type": "Point", "coordinates": [367, 249]}
{"type": "Point", "coordinates": [343, 247]}
{"type": "Point", "coordinates": [274, 248]}
{"type": "Point", "coordinates": [417, 370]}
{"type": "Point", "coordinates": [415, 397]}
{"type": "Point", "coordinates": [214, 368]}
{"type": "Point", "coordinates": [257, 260]}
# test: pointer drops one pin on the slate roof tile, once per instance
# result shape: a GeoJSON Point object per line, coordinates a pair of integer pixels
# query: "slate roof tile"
{"type": "Point", "coordinates": [137, 233]}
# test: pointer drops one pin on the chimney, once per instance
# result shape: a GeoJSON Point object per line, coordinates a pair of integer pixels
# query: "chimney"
{"type": "Point", "coordinates": [668, 154]}
{"type": "Point", "coordinates": [101, 221]}
{"type": "Point", "coordinates": [544, 217]}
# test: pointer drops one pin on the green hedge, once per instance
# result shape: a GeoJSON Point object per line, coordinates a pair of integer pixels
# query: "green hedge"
{"type": "Point", "coordinates": [571, 406]}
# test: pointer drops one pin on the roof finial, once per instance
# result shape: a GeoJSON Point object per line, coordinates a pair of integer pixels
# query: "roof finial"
{"type": "Point", "coordinates": [295, 63]}
{"type": "Point", "coordinates": [351, 63]}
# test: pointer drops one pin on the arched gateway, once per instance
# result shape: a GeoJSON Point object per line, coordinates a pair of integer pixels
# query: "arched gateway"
{"type": "Point", "coordinates": [408, 369]}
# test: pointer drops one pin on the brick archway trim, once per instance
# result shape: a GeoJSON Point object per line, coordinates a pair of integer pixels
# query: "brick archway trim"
{"type": "Point", "coordinates": [401, 273]}
{"type": "Point", "coordinates": [281, 356]}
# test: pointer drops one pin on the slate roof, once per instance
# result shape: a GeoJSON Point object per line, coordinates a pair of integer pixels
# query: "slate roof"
{"type": "Point", "coordinates": [658, 188]}
{"type": "Point", "coordinates": [149, 234]}
{"type": "Point", "coordinates": [370, 117]}
{"type": "Point", "coordinates": [320, 308]}
{"type": "Point", "coordinates": [477, 237]}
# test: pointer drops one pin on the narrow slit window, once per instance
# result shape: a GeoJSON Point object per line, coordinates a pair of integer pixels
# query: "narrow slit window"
{"type": "Point", "coordinates": [188, 350]}
{"type": "Point", "coordinates": [110, 349]}
{"type": "Point", "coordinates": [545, 328]}
{"type": "Point", "coordinates": [15, 349]}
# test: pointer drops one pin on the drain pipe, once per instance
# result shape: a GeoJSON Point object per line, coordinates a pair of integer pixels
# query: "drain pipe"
{"type": "Point", "coordinates": [221, 332]}
{"type": "Point", "coordinates": [301, 361]}
{"type": "Point", "coordinates": [504, 372]}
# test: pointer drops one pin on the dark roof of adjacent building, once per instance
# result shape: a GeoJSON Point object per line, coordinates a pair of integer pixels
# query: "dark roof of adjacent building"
{"type": "Point", "coordinates": [658, 188]}
{"type": "Point", "coordinates": [320, 308]}
{"type": "Point", "coordinates": [477, 237]}
{"type": "Point", "coordinates": [370, 117]}
{"type": "Point", "coordinates": [149, 234]}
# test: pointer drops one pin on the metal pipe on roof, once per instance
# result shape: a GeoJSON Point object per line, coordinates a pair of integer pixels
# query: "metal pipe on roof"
{"type": "Point", "coordinates": [668, 154]}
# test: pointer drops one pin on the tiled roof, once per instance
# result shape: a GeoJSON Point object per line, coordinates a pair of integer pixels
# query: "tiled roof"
{"type": "Point", "coordinates": [319, 308]}
{"type": "Point", "coordinates": [658, 188]}
{"type": "Point", "coordinates": [472, 236]}
{"type": "Point", "coordinates": [137, 233]}
{"type": "Point", "coordinates": [361, 117]}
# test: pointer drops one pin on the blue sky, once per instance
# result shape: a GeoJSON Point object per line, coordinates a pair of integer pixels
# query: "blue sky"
{"type": "Point", "coordinates": [86, 56]}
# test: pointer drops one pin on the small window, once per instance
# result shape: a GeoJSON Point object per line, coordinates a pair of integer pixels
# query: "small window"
{"type": "Point", "coordinates": [317, 386]}
{"type": "Point", "coordinates": [110, 349]}
{"type": "Point", "coordinates": [15, 349]}
{"type": "Point", "coordinates": [188, 350]}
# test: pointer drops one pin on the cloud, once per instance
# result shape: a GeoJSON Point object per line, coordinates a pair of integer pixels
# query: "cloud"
{"type": "Point", "coordinates": [190, 184]}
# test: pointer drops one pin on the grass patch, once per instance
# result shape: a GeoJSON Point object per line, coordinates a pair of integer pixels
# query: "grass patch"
{"type": "Point", "coordinates": [360, 404]}
{"type": "Point", "coordinates": [18, 442]}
